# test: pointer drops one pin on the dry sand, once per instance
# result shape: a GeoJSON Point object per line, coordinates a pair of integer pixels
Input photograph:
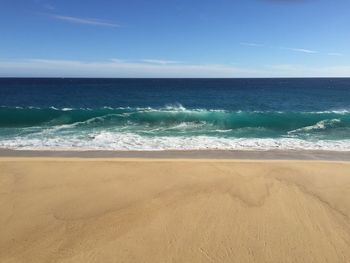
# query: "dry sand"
{"type": "Point", "coordinates": [149, 210]}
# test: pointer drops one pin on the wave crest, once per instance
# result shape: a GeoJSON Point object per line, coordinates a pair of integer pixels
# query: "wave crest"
{"type": "Point", "coordinates": [171, 127]}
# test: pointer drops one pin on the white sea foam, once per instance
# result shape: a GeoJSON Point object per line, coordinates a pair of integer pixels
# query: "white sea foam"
{"type": "Point", "coordinates": [177, 107]}
{"type": "Point", "coordinates": [224, 131]}
{"type": "Point", "coordinates": [54, 108]}
{"type": "Point", "coordinates": [321, 125]}
{"type": "Point", "coordinates": [128, 141]}
{"type": "Point", "coordinates": [341, 111]}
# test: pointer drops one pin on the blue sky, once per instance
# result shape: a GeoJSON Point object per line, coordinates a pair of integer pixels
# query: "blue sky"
{"type": "Point", "coordinates": [177, 38]}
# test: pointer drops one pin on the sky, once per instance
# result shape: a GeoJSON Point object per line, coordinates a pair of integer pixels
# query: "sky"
{"type": "Point", "coordinates": [174, 38]}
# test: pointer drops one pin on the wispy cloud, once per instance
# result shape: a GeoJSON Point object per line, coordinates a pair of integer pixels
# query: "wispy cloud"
{"type": "Point", "coordinates": [295, 70]}
{"type": "Point", "coordinates": [302, 50]}
{"type": "Point", "coordinates": [49, 7]}
{"type": "Point", "coordinates": [160, 61]}
{"type": "Point", "coordinates": [251, 44]}
{"type": "Point", "coordinates": [335, 54]}
{"type": "Point", "coordinates": [117, 68]}
{"type": "Point", "coordinates": [287, 1]}
{"type": "Point", "coordinates": [85, 21]}
{"type": "Point", "coordinates": [45, 4]}
{"type": "Point", "coordinates": [117, 60]}
{"type": "Point", "coordinates": [125, 68]}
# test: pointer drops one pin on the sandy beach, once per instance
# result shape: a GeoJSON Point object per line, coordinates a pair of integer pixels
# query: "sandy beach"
{"type": "Point", "coordinates": [152, 210]}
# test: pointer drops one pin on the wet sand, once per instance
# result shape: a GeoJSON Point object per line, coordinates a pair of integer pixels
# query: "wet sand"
{"type": "Point", "coordinates": [195, 154]}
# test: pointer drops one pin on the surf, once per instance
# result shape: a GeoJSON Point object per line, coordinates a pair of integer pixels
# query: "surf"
{"type": "Point", "coordinates": [169, 116]}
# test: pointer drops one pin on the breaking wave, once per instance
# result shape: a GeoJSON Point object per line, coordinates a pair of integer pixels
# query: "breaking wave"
{"type": "Point", "coordinates": [171, 127]}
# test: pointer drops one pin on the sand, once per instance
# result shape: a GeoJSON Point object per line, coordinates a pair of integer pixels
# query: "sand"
{"type": "Point", "coordinates": [277, 154]}
{"type": "Point", "coordinates": [151, 210]}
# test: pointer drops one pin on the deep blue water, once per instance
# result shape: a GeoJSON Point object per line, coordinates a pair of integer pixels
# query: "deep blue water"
{"type": "Point", "coordinates": [152, 114]}
{"type": "Point", "coordinates": [228, 94]}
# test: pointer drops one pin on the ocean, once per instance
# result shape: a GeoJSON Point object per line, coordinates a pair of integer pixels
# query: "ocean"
{"type": "Point", "coordinates": [175, 114]}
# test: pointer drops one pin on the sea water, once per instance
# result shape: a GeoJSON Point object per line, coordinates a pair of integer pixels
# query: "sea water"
{"type": "Point", "coordinates": [175, 114]}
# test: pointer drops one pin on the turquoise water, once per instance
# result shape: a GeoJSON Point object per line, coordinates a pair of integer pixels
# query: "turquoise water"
{"type": "Point", "coordinates": [257, 114]}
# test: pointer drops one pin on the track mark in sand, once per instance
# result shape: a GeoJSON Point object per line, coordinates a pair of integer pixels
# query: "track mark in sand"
{"type": "Point", "coordinates": [308, 192]}
{"type": "Point", "coordinates": [206, 254]}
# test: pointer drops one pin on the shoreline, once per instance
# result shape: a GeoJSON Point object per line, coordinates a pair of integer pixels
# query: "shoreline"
{"type": "Point", "coordinates": [187, 154]}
